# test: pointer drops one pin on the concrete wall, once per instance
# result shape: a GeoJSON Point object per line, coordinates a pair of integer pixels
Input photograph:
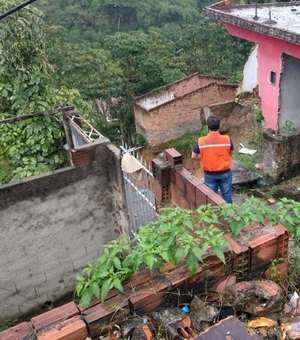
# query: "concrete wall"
{"type": "Point", "coordinates": [235, 120]}
{"type": "Point", "coordinates": [180, 116]}
{"type": "Point", "coordinates": [52, 225]}
{"type": "Point", "coordinates": [281, 155]}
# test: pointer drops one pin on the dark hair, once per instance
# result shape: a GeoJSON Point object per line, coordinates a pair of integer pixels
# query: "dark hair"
{"type": "Point", "coordinates": [213, 123]}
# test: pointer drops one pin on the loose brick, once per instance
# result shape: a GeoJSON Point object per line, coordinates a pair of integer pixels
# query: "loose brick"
{"type": "Point", "coordinates": [138, 279]}
{"type": "Point", "coordinates": [221, 285]}
{"type": "Point", "coordinates": [173, 157]}
{"type": "Point", "coordinates": [20, 331]}
{"type": "Point", "coordinates": [178, 277]}
{"type": "Point", "coordinates": [55, 315]}
{"type": "Point", "coordinates": [130, 284]}
{"type": "Point", "coordinates": [72, 329]}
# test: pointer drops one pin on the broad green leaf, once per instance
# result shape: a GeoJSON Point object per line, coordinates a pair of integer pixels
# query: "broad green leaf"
{"type": "Point", "coordinates": [95, 289]}
{"type": "Point", "coordinates": [86, 297]}
{"type": "Point", "coordinates": [197, 252]}
{"type": "Point", "coordinates": [219, 253]}
{"type": "Point", "coordinates": [117, 284]}
{"type": "Point", "coordinates": [105, 289]}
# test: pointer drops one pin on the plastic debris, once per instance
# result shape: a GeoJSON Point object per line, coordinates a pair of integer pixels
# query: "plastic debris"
{"type": "Point", "coordinates": [246, 151]}
{"type": "Point", "coordinates": [185, 309]}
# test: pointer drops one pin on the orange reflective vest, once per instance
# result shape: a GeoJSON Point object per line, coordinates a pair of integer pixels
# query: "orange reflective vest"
{"type": "Point", "coordinates": [215, 153]}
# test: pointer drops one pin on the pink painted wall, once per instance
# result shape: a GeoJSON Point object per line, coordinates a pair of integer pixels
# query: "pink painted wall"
{"type": "Point", "coordinates": [269, 59]}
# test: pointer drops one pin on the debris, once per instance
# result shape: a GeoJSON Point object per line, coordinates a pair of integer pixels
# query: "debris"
{"type": "Point", "coordinates": [255, 297]}
{"type": "Point", "coordinates": [184, 328]}
{"type": "Point", "coordinates": [259, 166]}
{"type": "Point", "coordinates": [247, 151]}
{"type": "Point", "coordinates": [221, 285]}
{"type": "Point", "coordinates": [230, 328]}
{"type": "Point", "coordinates": [262, 322]}
{"type": "Point", "coordinates": [294, 301]}
{"type": "Point", "coordinates": [271, 200]}
{"type": "Point", "coordinates": [185, 309]}
{"type": "Point", "coordinates": [292, 330]}
{"type": "Point", "coordinates": [201, 314]}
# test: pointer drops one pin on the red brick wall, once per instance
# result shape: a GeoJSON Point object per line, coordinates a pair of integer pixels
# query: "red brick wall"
{"type": "Point", "coordinates": [180, 116]}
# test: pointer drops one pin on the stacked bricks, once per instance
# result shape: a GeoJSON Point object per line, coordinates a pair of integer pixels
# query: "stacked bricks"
{"type": "Point", "coordinates": [161, 183]}
{"type": "Point", "coordinates": [187, 191]}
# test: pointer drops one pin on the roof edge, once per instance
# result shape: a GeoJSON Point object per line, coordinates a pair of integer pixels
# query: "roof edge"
{"type": "Point", "coordinates": [220, 12]}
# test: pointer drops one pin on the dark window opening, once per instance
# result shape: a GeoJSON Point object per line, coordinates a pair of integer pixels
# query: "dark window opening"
{"type": "Point", "coordinates": [273, 77]}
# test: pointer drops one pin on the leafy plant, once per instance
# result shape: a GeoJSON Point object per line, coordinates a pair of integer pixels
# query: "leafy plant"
{"type": "Point", "coordinates": [258, 115]}
{"type": "Point", "coordinates": [107, 273]}
{"type": "Point", "coordinates": [174, 237]}
{"type": "Point", "coordinates": [179, 235]}
{"type": "Point", "coordinates": [35, 145]}
{"type": "Point", "coordinates": [238, 216]}
{"type": "Point", "coordinates": [287, 212]}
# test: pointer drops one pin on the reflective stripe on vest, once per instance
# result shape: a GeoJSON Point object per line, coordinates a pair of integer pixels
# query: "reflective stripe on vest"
{"type": "Point", "coordinates": [215, 152]}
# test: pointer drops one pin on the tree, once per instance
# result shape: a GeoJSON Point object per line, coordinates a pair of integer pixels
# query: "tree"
{"type": "Point", "coordinates": [92, 71]}
{"type": "Point", "coordinates": [208, 48]}
{"type": "Point", "coordinates": [31, 146]}
{"type": "Point", "coordinates": [148, 61]}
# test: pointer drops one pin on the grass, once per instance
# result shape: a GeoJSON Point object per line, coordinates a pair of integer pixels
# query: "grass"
{"type": "Point", "coordinates": [7, 324]}
{"type": "Point", "coordinates": [248, 160]}
{"type": "Point", "coordinates": [185, 144]}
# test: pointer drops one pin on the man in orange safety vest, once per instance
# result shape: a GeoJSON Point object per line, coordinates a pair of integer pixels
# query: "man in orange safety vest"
{"type": "Point", "coordinates": [214, 152]}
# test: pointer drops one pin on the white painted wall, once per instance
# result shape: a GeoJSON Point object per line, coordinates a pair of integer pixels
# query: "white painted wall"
{"type": "Point", "coordinates": [250, 73]}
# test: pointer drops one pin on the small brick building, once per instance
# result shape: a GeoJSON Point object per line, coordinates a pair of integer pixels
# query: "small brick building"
{"type": "Point", "coordinates": [166, 114]}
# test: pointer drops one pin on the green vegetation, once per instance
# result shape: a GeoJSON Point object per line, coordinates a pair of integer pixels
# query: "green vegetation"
{"type": "Point", "coordinates": [114, 51]}
{"type": "Point", "coordinates": [35, 145]}
{"type": "Point", "coordinates": [179, 235]}
{"type": "Point", "coordinates": [185, 143]}
{"type": "Point", "coordinates": [170, 239]}
{"type": "Point", "coordinates": [7, 324]}
{"type": "Point", "coordinates": [288, 128]}
{"type": "Point", "coordinates": [123, 49]}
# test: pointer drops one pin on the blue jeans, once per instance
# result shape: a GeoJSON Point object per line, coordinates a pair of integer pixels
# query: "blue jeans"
{"type": "Point", "coordinates": [223, 181]}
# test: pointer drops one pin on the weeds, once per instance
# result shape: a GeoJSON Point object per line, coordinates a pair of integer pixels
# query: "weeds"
{"type": "Point", "coordinates": [185, 143]}
{"type": "Point", "coordinates": [7, 324]}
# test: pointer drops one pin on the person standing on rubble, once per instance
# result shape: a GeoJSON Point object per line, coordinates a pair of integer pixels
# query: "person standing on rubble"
{"type": "Point", "coordinates": [214, 153]}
